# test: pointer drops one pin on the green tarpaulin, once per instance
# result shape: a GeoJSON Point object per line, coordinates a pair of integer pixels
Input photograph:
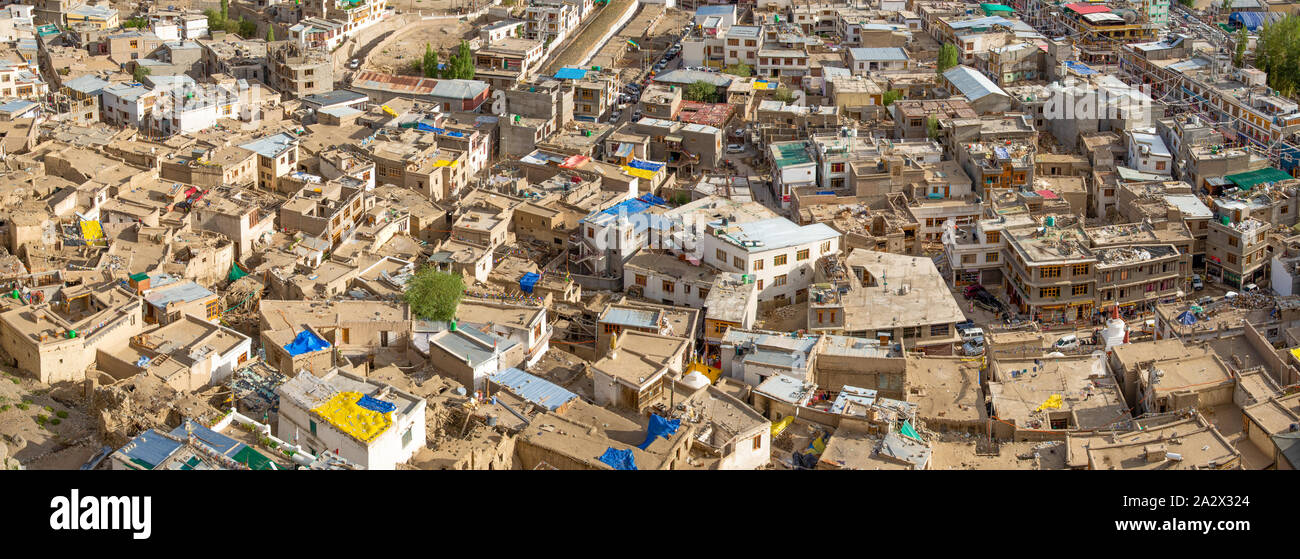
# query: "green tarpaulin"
{"type": "Point", "coordinates": [1246, 181]}
{"type": "Point", "coordinates": [990, 9]}
{"type": "Point", "coordinates": [235, 272]}
{"type": "Point", "coordinates": [908, 431]}
{"type": "Point", "coordinates": [253, 459]}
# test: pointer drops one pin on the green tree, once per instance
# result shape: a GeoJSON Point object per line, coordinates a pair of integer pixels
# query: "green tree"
{"type": "Point", "coordinates": [947, 57]}
{"type": "Point", "coordinates": [247, 29]}
{"type": "Point", "coordinates": [1277, 52]}
{"type": "Point", "coordinates": [430, 62]}
{"type": "Point", "coordinates": [139, 73]}
{"type": "Point", "coordinates": [225, 9]}
{"type": "Point", "coordinates": [783, 94]}
{"type": "Point", "coordinates": [1239, 58]}
{"type": "Point", "coordinates": [742, 70]}
{"type": "Point", "coordinates": [932, 127]}
{"type": "Point", "coordinates": [465, 62]}
{"type": "Point", "coordinates": [136, 23]}
{"type": "Point", "coordinates": [434, 295]}
{"type": "Point", "coordinates": [890, 96]}
{"type": "Point", "coordinates": [701, 91]}
{"type": "Point", "coordinates": [270, 34]}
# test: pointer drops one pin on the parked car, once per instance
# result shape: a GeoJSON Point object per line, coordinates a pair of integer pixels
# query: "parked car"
{"type": "Point", "coordinates": [973, 347]}
{"type": "Point", "coordinates": [993, 306]}
{"type": "Point", "coordinates": [1068, 341]}
{"type": "Point", "coordinates": [972, 289]}
{"type": "Point", "coordinates": [971, 333]}
{"type": "Point", "coordinates": [1249, 288]}
{"type": "Point", "coordinates": [636, 115]}
{"type": "Point", "coordinates": [1204, 301]}
{"type": "Point", "coordinates": [615, 115]}
{"type": "Point", "coordinates": [735, 148]}
{"type": "Point", "coordinates": [354, 64]}
{"type": "Point", "coordinates": [1197, 284]}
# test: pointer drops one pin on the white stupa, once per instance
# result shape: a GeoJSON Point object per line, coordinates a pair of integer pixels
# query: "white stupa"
{"type": "Point", "coordinates": [1116, 331]}
{"type": "Point", "coordinates": [695, 380]}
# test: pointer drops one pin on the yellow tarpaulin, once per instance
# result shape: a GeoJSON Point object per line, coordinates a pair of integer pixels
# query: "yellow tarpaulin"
{"type": "Point", "coordinates": [446, 163]}
{"type": "Point", "coordinates": [91, 230]}
{"type": "Point", "coordinates": [760, 85]}
{"type": "Point", "coordinates": [781, 425]}
{"type": "Point", "coordinates": [710, 373]}
{"type": "Point", "coordinates": [639, 173]}
{"type": "Point", "coordinates": [1296, 353]}
{"type": "Point", "coordinates": [343, 412]}
{"type": "Point", "coordinates": [1053, 402]}
{"type": "Point", "coordinates": [388, 110]}
{"type": "Point", "coordinates": [819, 445]}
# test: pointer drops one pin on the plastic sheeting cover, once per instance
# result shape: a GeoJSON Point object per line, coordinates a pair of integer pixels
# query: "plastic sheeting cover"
{"type": "Point", "coordinates": [619, 459]}
{"type": "Point", "coordinates": [235, 272]}
{"type": "Point", "coordinates": [1187, 318]}
{"type": "Point", "coordinates": [304, 342]}
{"type": "Point", "coordinates": [659, 427]}
{"type": "Point", "coordinates": [527, 282]}
{"type": "Point", "coordinates": [376, 405]}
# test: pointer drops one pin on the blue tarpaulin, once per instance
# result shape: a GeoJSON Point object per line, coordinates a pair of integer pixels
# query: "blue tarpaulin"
{"type": "Point", "coordinates": [306, 341]}
{"type": "Point", "coordinates": [427, 128]}
{"type": "Point", "coordinates": [377, 405]}
{"type": "Point", "coordinates": [1081, 68]}
{"type": "Point", "coordinates": [570, 74]}
{"type": "Point", "coordinates": [1187, 318]}
{"type": "Point", "coordinates": [659, 427]}
{"type": "Point", "coordinates": [527, 282]}
{"type": "Point", "coordinates": [618, 459]}
{"type": "Point", "coordinates": [645, 165]}
{"type": "Point", "coordinates": [1254, 20]}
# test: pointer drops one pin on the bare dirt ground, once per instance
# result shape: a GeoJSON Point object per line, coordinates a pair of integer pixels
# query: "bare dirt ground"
{"type": "Point", "coordinates": [429, 7]}
{"type": "Point", "coordinates": [56, 433]}
{"type": "Point", "coordinates": [784, 319]}
{"type": "Point", "coordinates": [581, 45]}
{"type": "Point", "coordinates": [567, 370]}
{"type": "Point", "coordinates": [400, 55]}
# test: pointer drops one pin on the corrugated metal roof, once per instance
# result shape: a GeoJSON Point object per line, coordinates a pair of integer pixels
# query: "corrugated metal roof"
{"type": "Point", "coordinates": [270, 146]}
{"type": "Point", "coordinates": [533, 389]}
{"type": "Point", "coordinates": [182, 293]}
{"type": "Point", "coordinates": [886, 54]}
{"type": "Point", "coordinates": [631, 317]}
{"type": "Point", "coordinates": [971, 83]}
{"type": "Point", "coordinates": [459, 89]}
{"type": "Point", "coordinates": [218, 442]}
{"type": "Point", "coordinates": [149, 449]}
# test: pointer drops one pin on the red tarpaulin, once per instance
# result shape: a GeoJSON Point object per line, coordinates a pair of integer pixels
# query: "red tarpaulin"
{"type": "Point", "coordinates": [1082, 8]}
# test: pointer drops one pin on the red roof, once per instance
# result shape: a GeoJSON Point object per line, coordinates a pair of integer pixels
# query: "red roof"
{"type": "Point", "coordinates": [1081, 8]}
{"type": "Point", "coordinates": [1048, 194]}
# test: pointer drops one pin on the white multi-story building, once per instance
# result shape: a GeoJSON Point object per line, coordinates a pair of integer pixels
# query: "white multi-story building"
{"type": "Point", "coordinates": [553, 21]}
{"type": "Point", "coordinates": [317, 33]}
{"type": "Point", "coordinates": [174, 105]}
{"type": "Point", "coordinates": [367, 422]}
{"type": "Point", "coordinates": [775, 253]}
{"type": "Point", "coordinates": [19, 80]}
{"type": "Point", "coordinates": [1147, 153]}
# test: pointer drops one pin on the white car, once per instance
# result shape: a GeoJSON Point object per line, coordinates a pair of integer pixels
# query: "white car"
{"type": "Point", "coordinates": [354, 64]}
{"type": "Point", "coordinates": [735, 148]}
